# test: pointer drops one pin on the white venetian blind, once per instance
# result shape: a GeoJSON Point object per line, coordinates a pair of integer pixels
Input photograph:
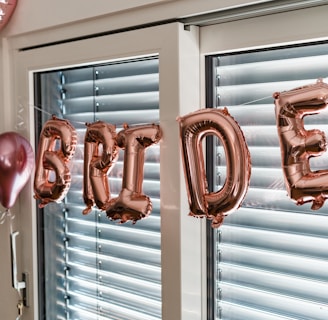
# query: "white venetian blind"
{"type": "Point", "coordinates": [271, 255]}
{"type": "Point", "coordinates": [95, 268]}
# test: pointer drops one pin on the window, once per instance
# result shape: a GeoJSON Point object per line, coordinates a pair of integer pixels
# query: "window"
{"type": "Point", "coordinates": [270, 255]}
{"type": "Point", "coordinates": [180, 236]}
{"type": "Point", "coordinates": [94, 267]}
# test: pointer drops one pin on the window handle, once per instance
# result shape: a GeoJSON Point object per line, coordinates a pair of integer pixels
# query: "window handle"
{"type": "Point", "coordinates": [18, 285]}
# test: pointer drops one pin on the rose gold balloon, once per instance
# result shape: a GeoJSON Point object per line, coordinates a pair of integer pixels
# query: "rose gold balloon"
{"type": "Point", "coordinates": [50, 160]}
{"type": "Point", "coordinates": [16, 165]}
{"type": "Point", "coordinates": [7, 9]}
{"type": "Point", "coordinates": [299, 145]}
{"type": "Point", "coordinates": [193, 128]}
{"type": "Point", "coordinates": [98, 164]}
{"type": "Point", "coordinates": [132, 204]}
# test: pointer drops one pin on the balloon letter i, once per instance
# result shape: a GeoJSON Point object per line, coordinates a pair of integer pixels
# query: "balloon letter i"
{"type": "Point", "coordinates": [98, 164]}
{"type": "Point", "coordinates": [132, 204]}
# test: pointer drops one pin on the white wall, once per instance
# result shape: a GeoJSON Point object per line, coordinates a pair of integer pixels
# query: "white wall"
{"type": "Point", "coordinates": [34, 15]}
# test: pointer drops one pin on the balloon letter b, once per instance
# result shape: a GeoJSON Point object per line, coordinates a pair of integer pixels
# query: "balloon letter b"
{"type": "Point", "coordinates": [51, 160]}
{"type": "Point", "coordinates": [299, 145]}
{"type": "Point", "coordinates": [131, 204]}
{"type": "Point", "coordinates": [97, 165]}
{"type": "Point", "coordinates": [193, 128]}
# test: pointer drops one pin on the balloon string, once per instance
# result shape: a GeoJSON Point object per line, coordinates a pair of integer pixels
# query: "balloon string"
{"type": "Point", "coordinates": [11, 217]}
{"type": "Point", "coordinates": [84, 123]}
{"type": "Point", "coordinates": [43, 111]}
{"type": "Point", "coordinates": [7, 214]}
{"type": "Point", "coordinates": [51, 114]}
{"type": "Point", "coordinates": [3, 217]}
{"type": "Point", "coordinates": [256, 100]}
{"type": "Point", "coordinates": [266, 97]}
{"type": "Point", "coordinates": [20, 123]}
{"type": "Point", "coordinates": [121, 124]}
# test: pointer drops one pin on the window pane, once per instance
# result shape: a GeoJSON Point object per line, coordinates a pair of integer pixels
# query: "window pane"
{"type": "Point", "coordinates": [271, 254]}
{"type": "Point", "coordinates": [95, 267]}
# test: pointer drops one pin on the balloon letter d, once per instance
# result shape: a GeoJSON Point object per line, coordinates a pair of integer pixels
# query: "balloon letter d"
{"type": "Point", "coordinates": [193, 128]}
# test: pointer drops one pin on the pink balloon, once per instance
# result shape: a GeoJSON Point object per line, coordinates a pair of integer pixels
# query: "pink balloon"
{"type": "Point", "coordinates": [7, 7]}
{"type": "Point", "coordinates": [16, 165]}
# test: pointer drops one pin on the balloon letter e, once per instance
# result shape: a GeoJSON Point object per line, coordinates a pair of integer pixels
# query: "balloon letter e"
{"type": "Point", "coordinates": [48, 188]}
{"type": "Point", "coordinates": [299, 145]}
{"type": "Point", "coordinates": [193, 128]}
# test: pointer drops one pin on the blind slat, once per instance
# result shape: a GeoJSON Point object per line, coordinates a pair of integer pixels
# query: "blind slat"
{"type": "Point", "coordinates": [235, 311]}
{"type": "Point", "coordinates": [118, 117]}
{"type": "Point", "coordinates": [271, 254]}
{"type": "Point", "coordinates": [299, 244]}
{"type": "Point", "coordinates": [298, 68]}
{"type": "Point", "coordinates": [278, 283]}
{"type": "Point", "coordinates": [117, 102]}
{"type": "Point", "coordinates": [258, 91]}
{"type": "Point", "coordinates": [104, 310]}
{"type": "Point", "coordinates": [104, 269]}
{"type": "Point", "coordinates": [269, 302]}
{"type": "Point", "coordinates": [106, 86]}
{"type": "Point", "coordinates": [126, 283]}
{"type": "Point", "coordinates": [136, 269]}
{"type": "Point", "coordinates": [289, 221]}
{"type": "Point", "coordinates": [274, 261]}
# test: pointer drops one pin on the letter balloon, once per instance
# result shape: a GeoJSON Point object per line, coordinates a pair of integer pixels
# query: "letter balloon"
{"type": "Point", "coordinates": [16, 166]}
{"type": "Point", "coordinates": [193, 128]}
{"type": "Point", "coordinates": [56, 148]}
{"type": "Point", "coordinates": [97, 163]}
{"type": "Point", "coordinates": [298, 145]}
{"type": "Point", "coordinates": [132, 204]}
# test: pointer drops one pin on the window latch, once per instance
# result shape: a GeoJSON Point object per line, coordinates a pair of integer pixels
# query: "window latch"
{"type": "Point", "coordinates": [20, 286]}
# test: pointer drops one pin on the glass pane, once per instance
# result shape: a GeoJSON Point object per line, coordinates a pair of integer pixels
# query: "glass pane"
{"type": "Point", "coordinates": [271, 256]}
{"type": "Point", "coordinates": [93, 266]}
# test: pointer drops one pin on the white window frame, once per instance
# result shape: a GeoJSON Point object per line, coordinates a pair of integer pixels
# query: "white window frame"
{"type": "Point", "coordinates": [182, 237]}
{"type": "Point", "coordinates": [288, 28]}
